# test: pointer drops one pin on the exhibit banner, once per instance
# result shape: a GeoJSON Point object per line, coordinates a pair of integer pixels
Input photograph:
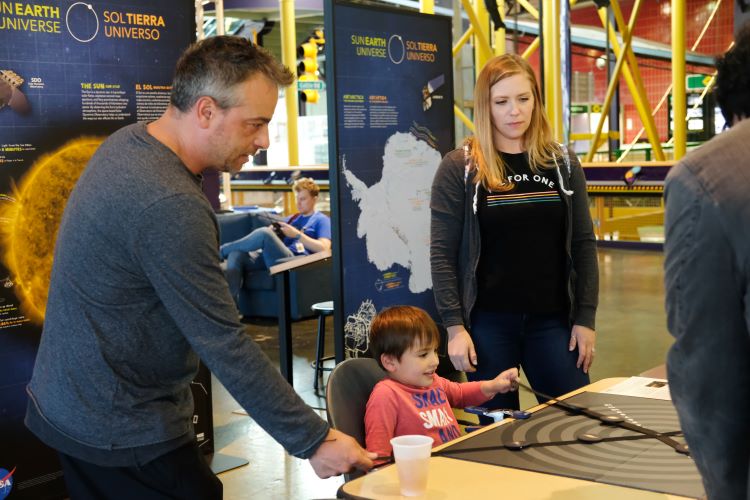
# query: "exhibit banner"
{"type": "Point", "coordinates": [70, 74]}
{"type": "Point", "coordinates": [390, 86]}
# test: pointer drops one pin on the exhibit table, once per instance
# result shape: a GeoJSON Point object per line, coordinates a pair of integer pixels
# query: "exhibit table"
{"type": "Point", "coordinates": [552, 464]}
{"type": "Point", "coordinates": [281, 271]}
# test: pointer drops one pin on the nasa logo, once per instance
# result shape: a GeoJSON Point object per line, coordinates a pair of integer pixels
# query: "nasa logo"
{"type": "Point", "coordinates": [6, 482]}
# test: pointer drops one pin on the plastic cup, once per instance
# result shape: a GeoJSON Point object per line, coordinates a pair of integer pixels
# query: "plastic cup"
{"type": "Point", "coordinates": [412, 455]}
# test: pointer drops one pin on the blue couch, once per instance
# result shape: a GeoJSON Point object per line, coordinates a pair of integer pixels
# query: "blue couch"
{"type": "Point", "coordinates": [258, 296]}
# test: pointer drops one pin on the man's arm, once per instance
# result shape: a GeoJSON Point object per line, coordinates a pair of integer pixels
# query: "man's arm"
{"type": "Point", "coordinates": [313, 245]}
{"type": "Point", "coordinates": [175, 243]}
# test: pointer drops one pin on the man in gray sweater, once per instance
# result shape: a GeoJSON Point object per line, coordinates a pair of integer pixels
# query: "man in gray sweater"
{"type": "Point", "coordinates": [137, 296]}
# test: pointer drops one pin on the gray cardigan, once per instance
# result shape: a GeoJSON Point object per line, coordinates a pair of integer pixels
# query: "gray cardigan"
{"type": "Point", "coordinates": [455, 241]}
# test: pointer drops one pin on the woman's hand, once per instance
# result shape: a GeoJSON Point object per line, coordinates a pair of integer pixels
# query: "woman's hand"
{"type": "Point", "coordinates": [584, 338]}
{"type": "Point", "coordinates": [461, 349]}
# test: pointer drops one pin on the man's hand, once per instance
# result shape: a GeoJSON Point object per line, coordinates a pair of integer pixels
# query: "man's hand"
{"type": "Point", "coordinates": [461, 349]}
{"type": "Point", "coordinates": [340, 453]}
{"type": "Point", "coordinates": [289, 231]}
{"type": "Point", "coordinates": [584, 338]}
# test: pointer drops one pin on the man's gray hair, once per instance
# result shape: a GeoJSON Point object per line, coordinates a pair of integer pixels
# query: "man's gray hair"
{"type": "Point", "coordinates": [214, 66]}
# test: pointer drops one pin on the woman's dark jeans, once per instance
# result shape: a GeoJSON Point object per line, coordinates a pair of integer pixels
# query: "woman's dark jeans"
{"type": "Point", "coordinates": [538, 343]}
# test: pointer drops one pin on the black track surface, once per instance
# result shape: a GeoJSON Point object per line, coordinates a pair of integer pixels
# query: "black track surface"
{"type": "Point", "coordinates": [642, 462]}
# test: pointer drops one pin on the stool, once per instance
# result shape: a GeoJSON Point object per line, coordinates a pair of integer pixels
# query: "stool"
{"type": "Point", "coordinates": [322, 309]}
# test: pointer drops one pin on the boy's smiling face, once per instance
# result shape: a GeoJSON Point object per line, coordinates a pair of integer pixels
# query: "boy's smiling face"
{"type": "Point", "coordinates": [416, 366]}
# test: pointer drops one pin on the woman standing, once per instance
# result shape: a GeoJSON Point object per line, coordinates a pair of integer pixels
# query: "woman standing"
{"type": "Point", "coordinates": [513, 252]}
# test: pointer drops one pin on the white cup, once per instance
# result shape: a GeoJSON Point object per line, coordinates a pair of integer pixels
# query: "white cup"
{"type": "Point", "coordinates": [412, 455]}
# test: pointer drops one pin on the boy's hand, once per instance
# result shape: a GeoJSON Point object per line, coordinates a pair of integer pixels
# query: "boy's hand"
{"type": "Point", "coordinates": [506, 381]}
{"type": "Point", "coordinates": [511, 376]}
{"type": "Point", "coordinates": [340, 453]}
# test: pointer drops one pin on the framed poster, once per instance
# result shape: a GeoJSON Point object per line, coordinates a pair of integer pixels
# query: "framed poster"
{"type": "Point", "coordinates": [70, 74]}
{"type": "Point", "coordinates": [390, 87]}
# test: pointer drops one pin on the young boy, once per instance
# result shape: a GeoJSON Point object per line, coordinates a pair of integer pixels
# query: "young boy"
{"type": "Point", "coordinates": [414, 399]}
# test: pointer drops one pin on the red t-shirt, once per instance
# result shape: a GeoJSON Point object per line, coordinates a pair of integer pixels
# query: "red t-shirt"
{"type": "Point", "coordinates": [395, 409]}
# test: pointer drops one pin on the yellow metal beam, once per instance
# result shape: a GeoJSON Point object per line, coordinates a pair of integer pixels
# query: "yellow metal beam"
{"type": "Point", "coordinates": [500, 33]}
{"type": "Point", "coordinates": [552, 83]}
{"type": "Point", "coordinates": [636, 72]}
{"type": "Point", "coordinates": [613, 82]}
{"type": "Point", "coordinates": [289, 59]}
{"type": "Point", "coordinates": [481, 20]}
{"type": "Point", "coordinates": [529, 8]}
{"type": "Point", "coordinates": [612, 134]}
{"type": "Point", "coordinates": [669, 88]}
{"type": "Point", "coordinates": [531, 49]}
{"type": "Point", "coordinates": [679, 99]}
{"type": "Point", "coordinates": [462, 41]}
{"type": "Point", "coordinates": [640, 101]}
{"type": "Point", "coordinates": [480, 39]}
{"type": "Point", "coordinates": [465, 119]}
{"type": "Point", "coordinates": [427, 6]}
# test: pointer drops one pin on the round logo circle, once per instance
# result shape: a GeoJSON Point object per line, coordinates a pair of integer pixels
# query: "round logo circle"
{"type": "Point", "coordinates": [82, 21]}
{"type": "Point", "coordinates": [396, 49]}
{"type": "Point", "coordinates": [6, 482]}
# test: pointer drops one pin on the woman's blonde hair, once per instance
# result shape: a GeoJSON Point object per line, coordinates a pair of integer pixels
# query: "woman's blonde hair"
{"type": "Point", "coordinates": [537, 141]}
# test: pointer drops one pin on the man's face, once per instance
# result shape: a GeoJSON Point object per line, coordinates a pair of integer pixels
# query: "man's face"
{"type": "Point", "coordinates": [305, 202]}
{"type": "Point", "coordinates": [240, 131]}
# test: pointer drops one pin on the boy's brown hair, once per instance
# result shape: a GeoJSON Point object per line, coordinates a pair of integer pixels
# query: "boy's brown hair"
{"type": "Point", "coordinates": [396, 329]}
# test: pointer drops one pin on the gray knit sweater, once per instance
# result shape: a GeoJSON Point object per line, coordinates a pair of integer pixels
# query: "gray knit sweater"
{"type": "Point", "coordinates": [136, 296]}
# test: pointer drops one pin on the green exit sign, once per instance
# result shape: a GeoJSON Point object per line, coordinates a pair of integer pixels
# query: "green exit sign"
{"type": "Point", "coordinates": [316, 85]}
{"type": "Point", "coordinates": [697, 82]}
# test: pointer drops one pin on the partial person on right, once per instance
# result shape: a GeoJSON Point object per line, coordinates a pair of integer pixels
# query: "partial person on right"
{"type": "Point", "coordinates": [707, 282]}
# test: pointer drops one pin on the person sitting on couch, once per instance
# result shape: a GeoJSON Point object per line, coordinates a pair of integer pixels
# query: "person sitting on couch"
{"type": "Point", "coordinates": [308, 231]}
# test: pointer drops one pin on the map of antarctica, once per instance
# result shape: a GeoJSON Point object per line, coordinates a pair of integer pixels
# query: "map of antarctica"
{"type": "Point", "coordinates": [395, 212]}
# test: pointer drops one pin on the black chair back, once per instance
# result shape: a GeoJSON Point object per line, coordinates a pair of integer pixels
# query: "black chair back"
{"type": "Point", "coordinates": [348, 390]}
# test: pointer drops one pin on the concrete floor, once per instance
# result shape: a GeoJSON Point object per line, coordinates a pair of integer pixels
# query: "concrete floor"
{"type": "Point", "coordinates": [631, 338]}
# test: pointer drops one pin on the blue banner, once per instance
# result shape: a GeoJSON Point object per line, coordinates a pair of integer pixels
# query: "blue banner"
{"type": "Point", "coordinates": [390, 121]}
{"type": "Point", "coordinates": [70, 74]}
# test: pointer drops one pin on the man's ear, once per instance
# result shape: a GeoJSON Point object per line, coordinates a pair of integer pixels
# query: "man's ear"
{"type": "Point", "coordinates": [205, 110]}
{"type": "Point", "coordinates": [389, 361]}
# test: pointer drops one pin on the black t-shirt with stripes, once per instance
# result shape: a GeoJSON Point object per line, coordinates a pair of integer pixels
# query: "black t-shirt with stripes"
{"type": "Point", "coordinates": [521, 265]}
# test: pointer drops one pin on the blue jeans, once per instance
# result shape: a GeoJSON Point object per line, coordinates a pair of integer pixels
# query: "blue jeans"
{"type": "Point", "coordinates": [536, 342]}
{"type": "Point", "coordinates": [267, 249]}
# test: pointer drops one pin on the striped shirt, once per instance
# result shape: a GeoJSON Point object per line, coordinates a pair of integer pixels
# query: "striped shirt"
{"type": "Point", "coordinates": [521, 265]}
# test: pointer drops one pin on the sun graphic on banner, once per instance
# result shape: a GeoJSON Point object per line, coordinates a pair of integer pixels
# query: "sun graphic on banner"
{"type": "Point", "coordinates": [31, 221]}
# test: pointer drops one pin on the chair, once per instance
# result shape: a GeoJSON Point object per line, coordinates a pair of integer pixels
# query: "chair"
{"type": "Point", "coordinates": [323, 310]}
{"type": "Point", "coordinates": [349, 388]}
{"type": "Point", "coordinates": [258, 296]}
